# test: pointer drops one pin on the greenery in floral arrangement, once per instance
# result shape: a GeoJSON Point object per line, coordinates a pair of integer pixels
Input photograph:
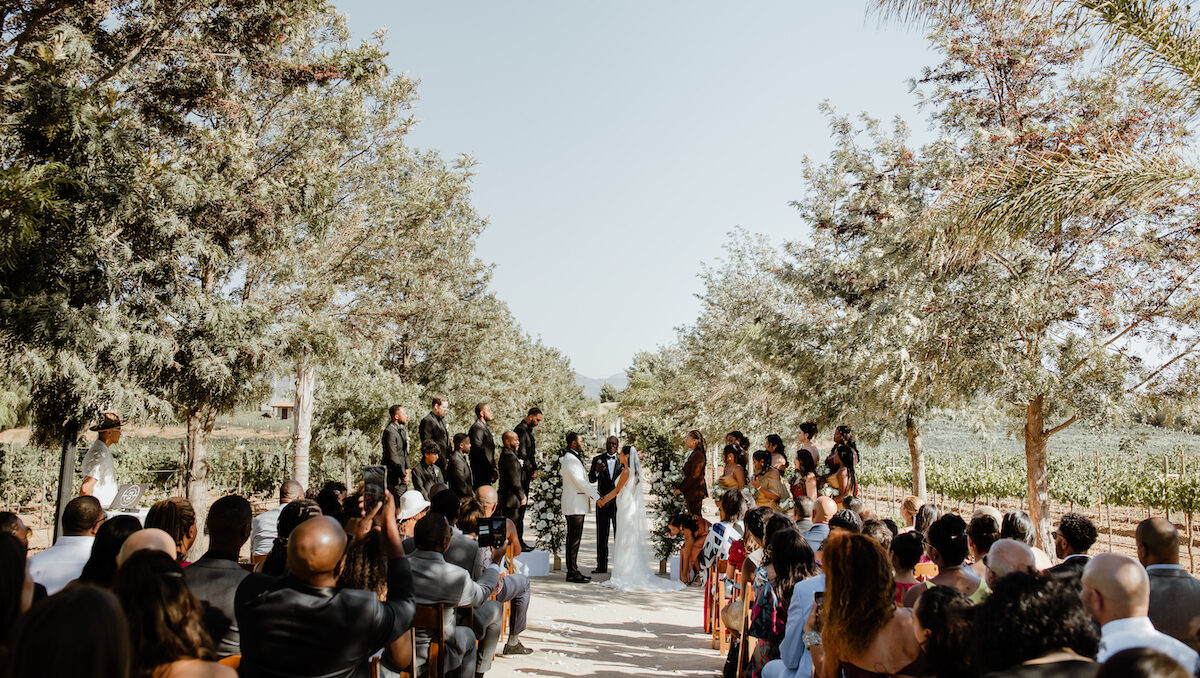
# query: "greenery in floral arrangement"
{"type": "Point", "coordinates": [663, 457]}
{"type": "Point", "coordinates": [546, 512]}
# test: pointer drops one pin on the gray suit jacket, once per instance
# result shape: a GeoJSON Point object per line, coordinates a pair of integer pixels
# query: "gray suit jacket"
{"type": "Point", "coordinates": [437, 581]}
{"type": "Point", "coordinates": [1174, 601]}
{"type": "Point", "coordinates": [215, 580]}
{"type": "Point", "coordinates": [463, 552]}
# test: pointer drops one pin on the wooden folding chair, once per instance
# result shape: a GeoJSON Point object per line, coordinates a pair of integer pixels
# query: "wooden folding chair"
{"type": "Point", "coordinates": [233, 661]}
{"type": "Point", "coordinates": [431, 618]}
{"type": "Point", "coordinates": [512, 569]}
{"type": "Point", "coordinates": [744, 648]}
{"type": "Point", "coordinates": [720, 633]}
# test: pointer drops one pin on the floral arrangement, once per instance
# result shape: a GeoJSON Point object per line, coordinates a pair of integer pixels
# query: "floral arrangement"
{"type": "Point", "coordinates": [546, 489]}
{"type": "Point", "coordinates": [662, 459]}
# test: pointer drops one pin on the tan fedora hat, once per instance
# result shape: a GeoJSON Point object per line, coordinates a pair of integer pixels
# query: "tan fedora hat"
{"type": "Point", "coordinates": [108, 422]}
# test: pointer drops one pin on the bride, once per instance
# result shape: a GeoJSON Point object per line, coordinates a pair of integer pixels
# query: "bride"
{"type": "Point", "coordinates": [631, 560]}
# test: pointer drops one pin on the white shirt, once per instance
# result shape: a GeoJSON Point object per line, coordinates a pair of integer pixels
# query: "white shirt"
{"type": "Point", "coordinates": [58, 565]}
{"type": "Point", "coordinates": [264, 530]}
{"type": "Point", "coordinates": [98, 464]}
{"type": "Point", "coordinates": [612, 465]}
{"type": "Point", "coordinates": [1122, 634]}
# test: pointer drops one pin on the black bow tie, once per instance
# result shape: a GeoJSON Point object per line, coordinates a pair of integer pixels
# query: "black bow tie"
{"type": "Point", "coordinates": [611, 456]}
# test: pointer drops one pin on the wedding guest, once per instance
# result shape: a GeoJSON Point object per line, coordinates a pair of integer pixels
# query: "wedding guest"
{"type": "Point", "coordinates": [101, 566]}
{"type": "Point", "coordinates": [767, 481]}
{"type": "Point", "coordinates": [458, 468]}
{"type": "Point", "coordinates": [176, 517]}
{"type": "Point", "coordinates": [908, 512]}
{"type": "Point", "coordinates": [877, 530]}
{"type": "Point", "coordinates": [291, 517]}
{"type": "Point", "coordinates": [803, 510]}
{"type": "Point", "coordinates": [215, 576]}
{"type": "Point", "coordinates": [16, 586]}
{"type": "Point", "coordinates": [1033, 627]}
{"type": "Point", "coordinates": [59, 564]}
{"type": "Point", "coordinates": [1141, 662]}
{"type": "Point", "coordinates": [689, 527]}
{"type": "Point", "coordinates": [78, 632]}
{"type": "Point", "coordinates": [147, 539]}
{"type": "Point", "coordinates": [166, 620]}
{"type": "Point", "coordinates": [824, 510]}
{"type": "Point", "coordinates": [395, 450]}
{"type": "Point", "coordinates": [1018, 525]}
{"type": "Point", "coordinates": [733, 474]}
{"type": "Point", "coordinates": [1007, 556]}
{"type": "Point", "coordinates": [413, 507]}
{"type": "Point", "coordinates": [1072, 539]}
{"type": "Point", "coordinates": [925, 517]}
{"type": "Point", "coordinates": [1174, 594]}
{"type": "Point", "coordinates": [263, 530]}
{"type": "Point", "coordinates": [790, 562]}
{"type": "Point", "coordinates": [862, 629]}
{"type": "Point", "coordinates": [943, 618]}
{"type": "Point", "coordinates": [11, 524]}
{"type": "Point", "coordinates": [742, 557]}
{"type": "Point", "coordinates": [807, 461]}
{"type": "Point", "coordinates": [330, 497]}
{"type": "Point", "coordinates": [906, 550]}
{"type": "Point", "coordinates": [693, 488]}
{"type": "Point", "coordinates": [723, 534]}
{"type": "Point", "coordinates": [483, 448]}
{"type": "Point", "coordinates": [1116, 594]}
{"type": "Point", "coordinates": [947, 548]}
{"type": "Point", "coordinates": [433, 430]}
{"type": "Point", "coordinates": [427, 473]}
{"type": "Point", "coordinates": [847, 520]}
{"type": "Point", "coordinates": [513, 588]}
{"type": "Point", "coordinates": [982, 532]}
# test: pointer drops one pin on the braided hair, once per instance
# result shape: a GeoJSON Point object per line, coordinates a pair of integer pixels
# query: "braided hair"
{"type": "Point", "coordinates": [176, 517]}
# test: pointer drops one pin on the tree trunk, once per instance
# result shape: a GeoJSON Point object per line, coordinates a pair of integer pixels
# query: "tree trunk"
{"type": "Point", "coordinates": [1035, 470]}
{"type": "Point", "coordinates": [306, 376]}
{"type": "Point", "coordinates": [196, 475]}
{"type": "Point", "coordinates": [916, 453]}
{"type": "Point", "coordinates": [66, 473]}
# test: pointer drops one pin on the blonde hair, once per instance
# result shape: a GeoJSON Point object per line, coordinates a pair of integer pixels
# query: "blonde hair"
{"type": "Point", "coordinates": [911, 505]}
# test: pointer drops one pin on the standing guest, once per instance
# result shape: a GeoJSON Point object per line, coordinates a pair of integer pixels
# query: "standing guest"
{"type": "Point", "coordinates": [1174, 594]}
{"type": "Point", "coordinates": [303, 625]}
{"type": "Point", "coordinates": [527, 453]}
{"type": "Point", "coordinates": [1072, 539]}
{"type": "Point", "coordinates": [433, 430]}
{"type": "Point", "coordinates": [1018, 525]}
{"type": "Point", "coordinates": [214, 578]}
{"type": "Point", "coordinates": [427, 473]}
{"type": "Point", "coordinates": [512, 487]}
{"type": "Point", "coordinates": [12, 525]}
{"type": "Point", "coordinates": [1141, 662]}
{"type": "Point", "coordinates": [982, 532]}
{"type": "Point", "coordinates": [605, 470]}
{"type": "Point", "coordinates": [1007, 556]}
{"type": "Point", "coordinates": [804, 506]}
{"type": "Point", "coordinates": [413, 507]}
{"type": "Point", "coordinates": [16, 586]}
{"type": "Point", "coordinates": [330, 497]}
{"type": "Point", "coordinates": [575, 493]}
{"type": "Point", "coordinates": [483, 447]}
{"type": "Point", "coordinates": [778, 453]}
{"type": "Point", "coordinates": [55, 567]}
{"type": "Point", "coordinates": [291, 517]}
{"type": "Point", "coordinates": [458, 470]}
{"type": "Point", "coordinates": [263, 531]}
{"type": "Point", "coordinates": [947, 548]}
{"type": "Point", "coordinates": [176, 517]}
{"type": "Point", "coordinates": [79, 632]}
{"type": "Point", "coordinates": [842, 460]}
{"type": "Point", "coordinates": [906, 550]}
{"type": "Point", "coordinates": [861, 630]}
{"type": "Point", "coordinates": [166, 620]}
{"type": "Point", "coordinates": [733, 473]}
{"type": "Point", "coordinates": [101, 566]}
{"type": "Point", "coordinates": [944, 624]}
{"type": "Point", "coordinates": [807, 461]}
{"type": "Point", "coordinates": [99, 472]}
{"type": "Point", "coordinates": [1116, 594]}
{"type": "Point", "coordinates": [825, 508]}
{"type": "Point", "coordinates": [908, 512]}
{"type": "Point", "coordinates": [693, 488]}
{"type": "Point", "coordinates": [395, 450]}
{"type": "Point", "coordinates": [767, 481]}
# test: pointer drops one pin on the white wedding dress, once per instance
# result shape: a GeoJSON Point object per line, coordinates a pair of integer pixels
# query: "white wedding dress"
{"type": "Point", "coordinates": [631, 558]}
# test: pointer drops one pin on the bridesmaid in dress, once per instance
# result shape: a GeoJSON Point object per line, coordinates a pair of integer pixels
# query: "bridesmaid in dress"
{"type": "Point", "coordinates": [733, 476]}
{"type": "Point", "coordinates": [807, 480]}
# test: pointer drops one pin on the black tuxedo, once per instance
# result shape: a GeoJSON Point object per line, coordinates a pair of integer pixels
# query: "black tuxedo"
{"type": "Point", "coordinates": [433, 429]}
{"type": "Point", "coordinates": [1070, 571]}
{"type": "Point", "coordinates": [395, 456]}
{"type": "Point", "coordinates": [483, 454]}
{"type": "Point", "coordinates": [458, 475]}
{"type": "Point", "coordinates": [511, 493]}
{"type": "Point", "coordinates": [606, 516]}
{"type": "Point", "coordinates": [527, 454]}
{"type": "Point", "coordinates": [425, 477]}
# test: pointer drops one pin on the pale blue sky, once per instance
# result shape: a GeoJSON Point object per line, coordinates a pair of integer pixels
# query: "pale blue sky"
{"type": "Point", "coordinates": [619, 142]}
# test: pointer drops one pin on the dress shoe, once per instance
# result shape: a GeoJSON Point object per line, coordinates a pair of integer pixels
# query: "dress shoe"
{"type": "Point", "coordinates": [577, 578]}
{"type": "Point", "coordinates": [518, 648]}
{"type": "Point", "coordinates": [600, 570]}
{"type": "Point", "coordinates": [526, 548]}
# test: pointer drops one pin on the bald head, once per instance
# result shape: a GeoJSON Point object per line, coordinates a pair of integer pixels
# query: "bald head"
{"type": "Point", "coordinates": [824, 510]}
{"type": "Point", "coordinates": [511, 441]}
{"type": "Point", "coordinates": [1157, 542]}
{"type": "Point", "coordinates": [1115, 587]}
{"type": "Point", "coordinates": [290, 491]}
{"type": "Point", "coordinates": [1007, 556]}
{"type": "Point", "coordinates": [486, 494]}
{"type": "Point", "coordinates": [315, 550]}
{"type": "Point", "coordinates": [149, 539]}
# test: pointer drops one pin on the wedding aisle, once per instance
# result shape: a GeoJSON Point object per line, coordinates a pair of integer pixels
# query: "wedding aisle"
{"type": "Point", "coordinates": [590, 630]}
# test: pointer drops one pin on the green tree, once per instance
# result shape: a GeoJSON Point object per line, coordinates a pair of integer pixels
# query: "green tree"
{"type": "Point", "coordinates": [609, 393]}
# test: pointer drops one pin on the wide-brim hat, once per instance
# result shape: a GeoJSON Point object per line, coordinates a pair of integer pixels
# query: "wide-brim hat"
{"type": "Point", "coordinates": [412, 503]}
{"type": "Point", "coordinates": [108, 421]}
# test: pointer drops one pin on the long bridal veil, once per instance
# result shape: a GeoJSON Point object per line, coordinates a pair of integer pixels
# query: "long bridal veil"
{"type": "Point", "coordinates": [631, 558]}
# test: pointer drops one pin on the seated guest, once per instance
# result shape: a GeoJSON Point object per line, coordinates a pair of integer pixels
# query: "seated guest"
{"type": "Point", "coordinates": [488, 501]}
{"type": "Point", "coordinates": [877, 530]}
{"type": "Point", "coordinates": [11, 524]}
{"type": "Point", "coordinates": [166, 620]}
{"type": "Point", "coordinates": [436, 581]}
{"type": "Point", "coordinates": [413, 507]}
{"type": "Point", "coordinates": [947, 548]}
{"type": "Point", "coordinates": [906, 550]}
{"type": "Point", "coordinates": [863, 631]}
{"type": "Point", "coordinates": [1007, 556]}
{"type": "Point", "coordinates": [176, 517]}
{"type": "Point", "coordinates": [1141, 662]}
{"type": "Point", "coordinates": [1116, 594]}
{"type": "Point", "coordinates": [330, 498]}
{"type": "Point", "coordinates": [982, 532]}
{"type": "Point", "coordinates": [1174, 594]}
{"type": "Point", "coordinates": [149, 539]}
{"type": "Point", "coordinates": [1072, 539]}
{"type": "Point", "coordinates": [214, 578]}
{"type": "Point", "coordinates": [427, 473]}
{"type": "Point", "coordinates": [943, 620]}
{"type": "Point", "coordinates": [513, 588]}
{"type": "Point", "coordinates": [753, 541]}
{"type": "Point", "coordinates": [822, 512]}
{"type": "Point", "coordinates": [1018, 525]}
{"type": "Point", "coordinates": [303, 624]}
{"type": "Point", "coordinates": [16, 586]}
{"type": "Point", "coordinates": [722, 535]}
{"type": "Point", "coordinates": [925, 517]}
{"type": "Point", "coordinates": [847, 520]}
{"type": "Point", "coordinates": [1033, 626]}
{"type": "Point", "coordinates": [265, 526]}
{"type": "Point", "coordinates": [101, 567]}
{"type": "Point", "coordinates": [292, 516]}
{"type": "Point", "coordinates": [908, 512]}
{"type": "Point", "coordinates": [803, 511]}
{"type": "Point", "coordinates": [55, 567]}
{"type": "Point", "coordinates": [855, 504]}
{"type": "Point", "coordinates": [790, 561]}
{"type": "Point", "coordinates": [79, 632]}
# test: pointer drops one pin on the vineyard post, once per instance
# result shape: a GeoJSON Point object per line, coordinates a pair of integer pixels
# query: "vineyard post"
{"type": "Point", "coordinates": [1166, 502]}
{"type": "Point", "coordinates": [1191, 543]}
{"type": "Point", "coordinates": [1099, 491]}
{"type": "Point", "coordinates": [1108, 513]}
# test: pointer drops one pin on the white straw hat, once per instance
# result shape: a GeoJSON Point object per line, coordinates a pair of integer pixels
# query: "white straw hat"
{"type": "Point", "coordinates": [412, 503]}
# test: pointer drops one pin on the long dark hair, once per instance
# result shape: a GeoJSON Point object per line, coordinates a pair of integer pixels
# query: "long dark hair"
{"type": "Point", "coordinates": [290, 518]}
{"type": "Point", "coordinates": [847, 454]}
{"type": "Point", "coordinates": [366, 566]}
{"type": "Point", "coordinates": [79, 631]}
{"type": "Point", "coordinates": [947, 614]}
{"type": "Point", "coordinates": [101, 566]}
{"type": "Point", "coordinates": [12, 581]}
{"type": "Point", "coordinates": [166, 620]}
{"type": "Point", "coordinates": [699, 438]}
{"type": "Point", "coordinates": [793, 560]}
{"type": "Point", "coordinates": [775, 441]}
{"type": "Point", "coordinates": [765, 457]}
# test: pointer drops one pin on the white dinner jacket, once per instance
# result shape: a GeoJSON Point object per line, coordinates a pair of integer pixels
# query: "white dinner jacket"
{"type": "Point", "coordinates": [576, 489]}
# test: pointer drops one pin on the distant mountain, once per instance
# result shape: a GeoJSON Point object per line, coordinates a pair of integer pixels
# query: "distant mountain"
{"type": "Point", "coordinates": [591, 386]}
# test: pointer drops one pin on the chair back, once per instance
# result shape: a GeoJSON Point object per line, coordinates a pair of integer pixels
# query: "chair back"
{"type": "Point", "coordinates": [233, 661]}
{"type": "Point", "coordinates": [432, 618]}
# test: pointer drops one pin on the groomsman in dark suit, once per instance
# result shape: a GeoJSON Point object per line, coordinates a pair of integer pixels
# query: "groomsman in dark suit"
{"type": "Point", "coordinates": [458, 470]}
{"type": "Point", "coordinates": [433, 430]}
{"type": "Point", "coordinates": [512, 493]}
{"type": "Point", "coordinates": [527, 453]}
{"type": "Point", "coordinates": [605, 470]}
{"type": "Point", "coordinates": [483, 447]}
{"type": "Point", "coordinates": [395, 450]}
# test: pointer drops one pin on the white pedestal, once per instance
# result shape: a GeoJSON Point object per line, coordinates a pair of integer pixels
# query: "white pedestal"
{"type": "Point", "coordinates": [534, 563]}
{"type": "Point", "coordinates": [673, 568]}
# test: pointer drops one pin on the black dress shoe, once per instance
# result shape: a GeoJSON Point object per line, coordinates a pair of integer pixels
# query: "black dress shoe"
{"type": "Point", "coordinates": [600, 570]}
{"type": "Point", "coordinates": [527, 548]}
{"type": "Point", "coordinates": [577, 578]}
{"type": "Point", "coordinates": [518, 648]}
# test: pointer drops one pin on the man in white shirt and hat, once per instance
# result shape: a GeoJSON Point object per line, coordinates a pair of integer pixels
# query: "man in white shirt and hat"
{"type": "Point", "coordinates": [99, 473]}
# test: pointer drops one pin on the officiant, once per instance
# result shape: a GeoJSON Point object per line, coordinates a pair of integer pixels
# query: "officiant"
{"type": "Point", "coordinates": [605, 470]}
{"type": "Point", "coordinates": [99, 472]}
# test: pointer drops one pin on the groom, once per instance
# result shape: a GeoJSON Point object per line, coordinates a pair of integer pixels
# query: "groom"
{"type": "Point", "coordinates": [606, 468]}
{"type": "Point", "coordinates": [575, 493]}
